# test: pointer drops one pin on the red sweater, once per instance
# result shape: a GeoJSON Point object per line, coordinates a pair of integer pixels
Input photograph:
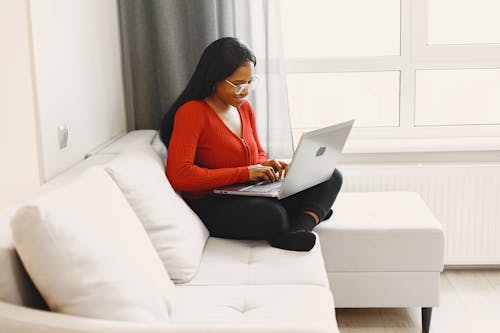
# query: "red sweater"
{"type": "Point", "coordinates": [204, 153]}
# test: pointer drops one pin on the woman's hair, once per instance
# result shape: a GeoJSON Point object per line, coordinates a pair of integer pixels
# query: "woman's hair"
{"type": "Point", "coordinates": [219, 60]}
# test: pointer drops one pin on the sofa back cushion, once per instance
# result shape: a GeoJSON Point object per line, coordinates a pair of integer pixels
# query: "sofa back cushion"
{"type": "Point", "coordinates": [15, 285]}
{"type": "Point", "coordinates": [175, 230]}
{"type": "Point", "coordinates": [132, 141]}
{"type": "Point", "coordinates": [88, 254]}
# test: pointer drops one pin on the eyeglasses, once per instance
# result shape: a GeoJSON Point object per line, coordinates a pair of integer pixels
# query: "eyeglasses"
{"type": "Point", "coordinates": [238, 88]}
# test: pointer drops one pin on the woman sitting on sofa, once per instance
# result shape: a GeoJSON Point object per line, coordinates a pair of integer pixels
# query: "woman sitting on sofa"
{"type": "Point", "coordinates": [212, 141]}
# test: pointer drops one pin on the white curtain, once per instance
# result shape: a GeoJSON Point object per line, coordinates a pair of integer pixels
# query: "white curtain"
{"type": "Point", "coordinates": [271, 100]}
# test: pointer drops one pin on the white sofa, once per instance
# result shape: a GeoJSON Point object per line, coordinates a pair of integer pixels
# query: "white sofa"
{"type": "Point", "coordinates": [379, 250]}
{"type": "Point", "coordinates": [238, 286]}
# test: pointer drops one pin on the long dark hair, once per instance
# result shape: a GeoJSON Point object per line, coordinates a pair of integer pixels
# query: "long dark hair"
{"type": "Point", "coordinates": [219, 60]}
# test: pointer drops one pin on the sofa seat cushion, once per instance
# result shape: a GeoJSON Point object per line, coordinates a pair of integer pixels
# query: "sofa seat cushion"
{"type": "Point", "coordinates": [381, 232]}
{"type": "Point", "coordinates": [236, 262]}
{"type": "Point", "coordinates": [89, 255]}
{"type": "Point", "coordinates": [289, 305]}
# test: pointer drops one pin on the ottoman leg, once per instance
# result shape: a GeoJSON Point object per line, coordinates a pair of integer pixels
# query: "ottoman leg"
{"type": "Point", "coordinates": [426, 319]}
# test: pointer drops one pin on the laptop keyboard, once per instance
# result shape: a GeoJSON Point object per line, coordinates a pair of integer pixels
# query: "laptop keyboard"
{"type": "Point", "coordinates": [263, 188]}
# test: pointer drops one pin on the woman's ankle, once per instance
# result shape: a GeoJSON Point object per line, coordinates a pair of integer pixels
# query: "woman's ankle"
{"type": "Point", "coordinates": [314, 215]}
{"type": "Point", "coordinates": [305, 221]}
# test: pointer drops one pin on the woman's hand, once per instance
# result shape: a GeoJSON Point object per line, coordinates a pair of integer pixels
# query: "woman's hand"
{"type": "Point", "coordinates": [279, 167]}
{"type": "Point", "coordinates": [259, 171]}
{"type": "Point", "coordinates": [270, 171]}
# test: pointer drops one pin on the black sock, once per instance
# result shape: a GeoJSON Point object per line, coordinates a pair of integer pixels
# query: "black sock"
{"type": "Point", "coordinates": [306, 221]}
{"type": "Point", "coordinates": [296, 239]}
{"type": "Point", "coordinates": [328, 215]}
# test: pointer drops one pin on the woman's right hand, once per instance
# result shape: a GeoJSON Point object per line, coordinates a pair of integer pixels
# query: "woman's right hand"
{"type": "Point", "coordinates": [259, 171]}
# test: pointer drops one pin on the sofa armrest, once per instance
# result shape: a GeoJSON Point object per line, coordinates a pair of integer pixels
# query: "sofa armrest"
{"type": "Point", "coordinates": [18, 319]}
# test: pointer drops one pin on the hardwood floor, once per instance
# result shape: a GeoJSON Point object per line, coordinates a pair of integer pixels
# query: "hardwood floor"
{"type": "Point", "coordinates": [469, 302]}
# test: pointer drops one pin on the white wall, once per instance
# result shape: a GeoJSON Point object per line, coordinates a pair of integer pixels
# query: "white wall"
{"type": "Point", "coordinates": [20, 169]}
{"type": "Point", "coordinates": [79, 81]}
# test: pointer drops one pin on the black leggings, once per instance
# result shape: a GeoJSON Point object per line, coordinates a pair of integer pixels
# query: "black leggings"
{"type": "Point", "coordinates": [241, 217]}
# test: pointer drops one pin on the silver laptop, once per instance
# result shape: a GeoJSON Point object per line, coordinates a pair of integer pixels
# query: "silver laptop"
{"type": "Point", "coordinates": [313, 162]}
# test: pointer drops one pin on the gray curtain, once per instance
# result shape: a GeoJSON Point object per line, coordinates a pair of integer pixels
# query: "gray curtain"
{"type": "Point", "coordinates": [162, 41]}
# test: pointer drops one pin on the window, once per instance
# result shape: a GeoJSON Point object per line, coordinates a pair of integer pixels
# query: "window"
{"type": "Point", "coordinates": [403, 69]}
{"type": "Point", "coordinates": [463, 22]}
{"type": "Point", "coordinates": [457, 97]}
{"type": "Point", "coordinates": [313, 98]}
{"type": "Point", "coordinates": [329, 29]}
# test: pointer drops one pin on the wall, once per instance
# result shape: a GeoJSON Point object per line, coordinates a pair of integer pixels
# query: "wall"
{"type": "Point", "coordinates": [20, 166]}
{"type": "Point", "coordinates": [77, 57]}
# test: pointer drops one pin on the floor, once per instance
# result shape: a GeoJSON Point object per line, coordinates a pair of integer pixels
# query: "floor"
{"type": "Point", "coordinates": [469, 302]}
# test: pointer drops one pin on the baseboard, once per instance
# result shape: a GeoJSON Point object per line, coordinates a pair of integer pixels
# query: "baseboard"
{"type": "Point", "coordinates": [471, 262]}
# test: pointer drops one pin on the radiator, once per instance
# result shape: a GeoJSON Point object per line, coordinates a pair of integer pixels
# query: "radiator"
{"type": "Point", "coordinates": [465, 198]}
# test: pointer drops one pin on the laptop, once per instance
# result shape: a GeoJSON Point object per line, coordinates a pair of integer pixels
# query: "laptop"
{"type": "Point", "coordinates": [313, 162]}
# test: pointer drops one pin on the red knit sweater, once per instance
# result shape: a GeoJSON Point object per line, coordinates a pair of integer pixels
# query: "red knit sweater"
{"type": "Point", "coordinates": [204, 153]}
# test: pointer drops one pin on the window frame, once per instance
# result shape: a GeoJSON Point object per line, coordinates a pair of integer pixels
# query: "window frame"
{"type": "Point", "coordinates": [415, 54]}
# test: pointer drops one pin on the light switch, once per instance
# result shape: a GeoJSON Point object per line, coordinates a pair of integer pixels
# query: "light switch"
{"type": "Point", "coordinates": [62, 132]}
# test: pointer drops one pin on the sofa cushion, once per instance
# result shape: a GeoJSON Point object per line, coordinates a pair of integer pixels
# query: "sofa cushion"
{"type": "Point", "coordinates": [175, 230]}
{"type": "Point", "coordinates": [297, 306]}
{"type": "Point", "coordinates": [89, 255]}
{"type": "Point", "coordinates": [236, 262]}
{"type": "Point", "coordinates": [393, 232]}
{"type": "Point", "coordinates": [15, 285]}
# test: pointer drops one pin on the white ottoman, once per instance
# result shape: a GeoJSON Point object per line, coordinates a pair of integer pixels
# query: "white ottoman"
{"type": "Point", "coordinates": [383, 249]}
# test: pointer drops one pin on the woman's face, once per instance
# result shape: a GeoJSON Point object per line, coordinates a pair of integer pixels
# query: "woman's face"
{"type": "Point", "coordinates": [227, 93]}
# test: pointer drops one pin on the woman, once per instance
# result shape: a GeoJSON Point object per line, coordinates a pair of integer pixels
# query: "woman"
{"type": "Point", "coordinates": [212, 141]}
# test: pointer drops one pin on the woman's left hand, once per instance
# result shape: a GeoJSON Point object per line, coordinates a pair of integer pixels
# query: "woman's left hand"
{"type": "Point", "coordinates": [280, 167]}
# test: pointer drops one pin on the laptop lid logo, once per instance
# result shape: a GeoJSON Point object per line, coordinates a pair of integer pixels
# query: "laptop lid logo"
{"type": "Point", "coordinates": [320, 151]}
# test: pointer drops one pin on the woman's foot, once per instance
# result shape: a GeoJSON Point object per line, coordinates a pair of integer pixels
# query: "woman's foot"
{"type": "Point", "coordinates": [295, 239]}
{"type": "Point", "coordinates": [328, 215]}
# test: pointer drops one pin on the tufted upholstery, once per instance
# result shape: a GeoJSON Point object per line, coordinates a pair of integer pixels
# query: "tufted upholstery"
{"type": "Point", "coordinates": [255, 304]}
{"type": "Point", "coordinates": [256, 263]}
